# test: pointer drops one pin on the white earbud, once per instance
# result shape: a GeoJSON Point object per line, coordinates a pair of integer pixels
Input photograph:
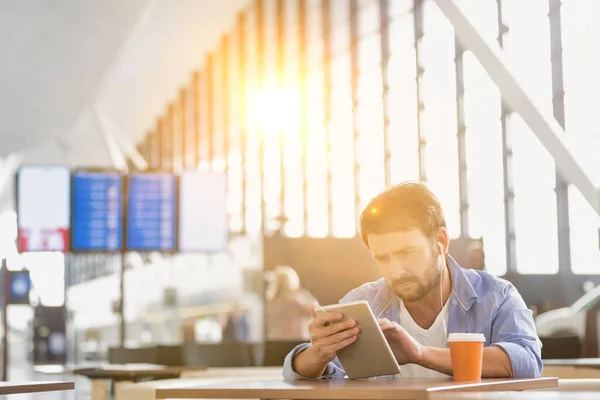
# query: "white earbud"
{"type": "Point", "coordinates": [441, 247]}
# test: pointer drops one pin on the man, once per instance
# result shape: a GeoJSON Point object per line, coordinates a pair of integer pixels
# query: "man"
{"type": "Point", "coordinates": [423, 296]}
{"type": "Point", "coordinates": [236, 326]}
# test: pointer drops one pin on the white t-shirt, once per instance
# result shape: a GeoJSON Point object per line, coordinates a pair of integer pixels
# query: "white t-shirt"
{"type": "Point", "coordinates": [435, 336]}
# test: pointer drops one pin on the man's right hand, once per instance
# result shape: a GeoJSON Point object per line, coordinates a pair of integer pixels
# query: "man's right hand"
{"type": "Point", "coordinates": [327, 336]}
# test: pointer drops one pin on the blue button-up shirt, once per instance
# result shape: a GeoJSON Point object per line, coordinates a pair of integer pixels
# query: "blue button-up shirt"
{"type": "Point", "coordinates": [479, 303]}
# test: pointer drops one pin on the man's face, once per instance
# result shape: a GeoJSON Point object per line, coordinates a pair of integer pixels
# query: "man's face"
{"type": "Point", "coordinates": [409, 262]}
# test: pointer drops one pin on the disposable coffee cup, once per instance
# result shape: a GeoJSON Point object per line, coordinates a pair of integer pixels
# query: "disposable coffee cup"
{"type": "Point", "coordinates": [466, 351]}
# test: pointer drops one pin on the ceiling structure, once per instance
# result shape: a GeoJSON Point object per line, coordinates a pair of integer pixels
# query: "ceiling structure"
{"type": "Point", "coordinates": [63, 59]}
{"type": "Point", "coordinates": [54, 54]}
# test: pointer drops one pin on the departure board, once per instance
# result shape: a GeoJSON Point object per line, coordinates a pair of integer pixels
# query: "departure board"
{"type": "Point", "coordinates": [43, 208]}
{"type": "Point", "coordinates": [97, 211]}
{"type": "Point", "coordinates": [203, 211]}
{"type": "Point", "coordinates": [151, 209]}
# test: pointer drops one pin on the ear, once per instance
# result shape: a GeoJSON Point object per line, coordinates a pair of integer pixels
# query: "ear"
{"type": "Point", "coordinates": [443, 241]}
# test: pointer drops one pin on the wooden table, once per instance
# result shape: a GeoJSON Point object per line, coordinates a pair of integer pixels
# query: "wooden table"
{"type": "Point", "coordinates": [517, 396]}
{"type": "Point", "coordinates": [106, 377]}
{"type": "Point", "coordinates": [34, 387]}
{"type": "Point", "coordinates": [345, 389]}
{"type": "Point", "coordinates": [132, 372]}
{"type": "Point", "coordinates": [212, 376]}
{"type": "Point", "coordinates": [257, 373]}
{"type": "Point", "coordinates": [59, 369]}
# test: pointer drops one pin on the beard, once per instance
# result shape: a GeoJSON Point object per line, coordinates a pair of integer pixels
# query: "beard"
{"type": "Point", "coordinates": [410, 288]}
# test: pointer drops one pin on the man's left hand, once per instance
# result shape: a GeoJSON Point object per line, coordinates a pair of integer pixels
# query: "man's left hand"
{"type": "Point", "coordinates": [405, 348]}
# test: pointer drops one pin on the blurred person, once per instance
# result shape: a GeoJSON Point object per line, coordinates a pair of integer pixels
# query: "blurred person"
{"type": "Point", "coordinates": [236, 325]}
{"type": "Point", "coordinates": [146, 337]}
{"type": "Point", "coordinates": [423, 296]}
{"type": "Point", "coordinates": [476, 257]}
{"type": "Point", "coordinates": [287, 306]}
{"type": "Point", "coordinates": [534, 310]}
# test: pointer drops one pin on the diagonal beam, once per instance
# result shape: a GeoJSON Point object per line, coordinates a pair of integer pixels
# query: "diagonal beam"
{"type": "Point", "coordinates": [114, 151]}
{"type": "Point", "coordinates": [124, 142]}
{"type": "Point", "coordinates": [8, 168]}
{"type": "Point", "coordinates": [543, 125]}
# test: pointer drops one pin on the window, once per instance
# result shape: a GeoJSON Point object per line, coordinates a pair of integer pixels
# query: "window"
{"type": "Point", "coordinates": [439, 116]}
{"type": "Point", "coordinates": [527, 47]}
{"type": "Point", "coordinates": [581, 62]}
{"type": "Point", "coordinates": [404, 137]}
{"type": "Point", "coordinates": [484, 163]}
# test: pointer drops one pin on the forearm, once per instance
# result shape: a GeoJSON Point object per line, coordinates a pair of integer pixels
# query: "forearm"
{"type": "Point", "coordinates": [308, 365]}
{"type": "Point", "coordinates": [496, 363]}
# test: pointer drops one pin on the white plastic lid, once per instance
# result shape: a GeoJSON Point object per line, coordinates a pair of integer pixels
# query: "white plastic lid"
{"type": "Point", "coordinates": [466, 337]}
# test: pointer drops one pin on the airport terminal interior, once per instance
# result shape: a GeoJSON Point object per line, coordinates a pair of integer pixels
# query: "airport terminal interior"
{"type": "Point", "coordinates": [171, 170]}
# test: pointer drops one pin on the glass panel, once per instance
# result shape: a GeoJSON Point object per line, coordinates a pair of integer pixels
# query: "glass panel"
{"type": "Point", "coordinates": [402, 33]}
{"type": "Point", "coordinates": [400, 7]}
{"type": "Point", "coordinates": [439, 115]}
{"type": "Point", "coordinates": [404, 138]}
{"type": "Point", "coordinates": [527, 47]}
{"type": "Point", "coordinates": [218, 134]}
{"type": "Point", "coordinates": [316, 159]}
{"type": "Point", "coordinates": [316, 136]}
{"type": "Point", "coordinates": [368, 17]}
{"type": "Point", "coordinates": [203, 107]}
{"type": "Point", "coordinates": [484, 163]}
{"type": "Point", "coordinates": [581, 61]}
{"type": "Point", "coordinates": [340, 27]}
{"type": "Point", "coordinates": [344, 221]}
{"type": "Point", "coordinates": [370, 129]}
{"type": "Point", "coordinates": [253, 191]}
{"type": "Point", "coordinates": [234, 172]}
{"type": "Point", "coordinates": [369, 55]}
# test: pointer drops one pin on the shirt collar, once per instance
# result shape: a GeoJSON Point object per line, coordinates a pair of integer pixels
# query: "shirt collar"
{"type": "Point", "coordinates": [461, 286]}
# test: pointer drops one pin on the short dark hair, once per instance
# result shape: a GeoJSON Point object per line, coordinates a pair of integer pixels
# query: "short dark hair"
{"type": "Point", "coordinates": [408, 205]}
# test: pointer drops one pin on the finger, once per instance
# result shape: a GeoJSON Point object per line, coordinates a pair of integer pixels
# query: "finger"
{"type": "Point", "coordinates": [340, 336]}
{"type": "Point", "coordinates": [340, 345]}
{"type": "Point", "coordinates": [318, 332]}
{"type": "Point", "coordinates": [322, 318]}
{"type": "Point", "coordinates": [384, 323]}
{"type": "Point", "coordinates": [389, 327]}
{"type": "Point", "coordinates": [313, 310]}
{"type": "Point", "coordinates": [338, 327]}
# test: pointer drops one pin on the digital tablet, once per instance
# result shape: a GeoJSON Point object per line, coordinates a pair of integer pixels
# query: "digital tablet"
{"type": "Point", "coordinates": [370, 355]}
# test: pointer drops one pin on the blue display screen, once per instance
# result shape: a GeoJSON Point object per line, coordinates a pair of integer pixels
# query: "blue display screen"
{"type": "Point", "coordinates": [97, 220]}
{"type": "Point", "coordinates": [151, 215]}
{"type": "Point", "coordinates": [20, 285]}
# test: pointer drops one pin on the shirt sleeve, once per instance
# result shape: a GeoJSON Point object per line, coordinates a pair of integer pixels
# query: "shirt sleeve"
{"type": "Point", "coordinates": [333, 370]}
{"type": "Point", "coordinates": [513, 330]}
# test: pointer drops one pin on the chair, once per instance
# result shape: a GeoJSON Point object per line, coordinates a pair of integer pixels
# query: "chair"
{"type": "Point", "coordinates": [561, 347]}
{"type": "Point", "coordinates": [160, 355]}
{"type": "Point", "coordinates": [169, 355]}
{"type": "Point", "coordinates": [230, 354]}
{"type": "Point", "coordinates": [590, 340]}
{"type": "Point", "coordinates": [127, 355]}
{"type": "Point", "coordinates": [275, 351]}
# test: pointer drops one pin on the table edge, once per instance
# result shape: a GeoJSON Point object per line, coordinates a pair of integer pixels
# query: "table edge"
{"type": "Point", "coordinates": [523, 384]}
{"type": "Point", "coordinates": [38, 387]}
{"type": "Point", "coordinates": [234, 393]}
